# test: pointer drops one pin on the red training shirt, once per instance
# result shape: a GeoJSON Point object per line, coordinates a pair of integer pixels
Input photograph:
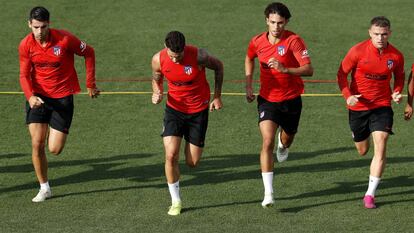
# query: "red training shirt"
{"type": "Point", "coordinates": [188, 89]}
{"type": "Point", "coordinates": [371, 75]}
{"type": "Point", "coordinates": [50, 71]}
{"type": "Point", "coordinates": [291, 52]}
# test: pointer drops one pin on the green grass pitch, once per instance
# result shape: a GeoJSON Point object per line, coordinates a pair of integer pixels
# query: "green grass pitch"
{"type": "Point", "coordinates": [110, 177]}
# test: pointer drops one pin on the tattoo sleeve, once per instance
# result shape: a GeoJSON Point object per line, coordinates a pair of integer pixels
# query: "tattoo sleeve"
{"type": "Point", "coordinates": [156, 76]}
{"type": "Point", "coordinates": [211, 62]}
{"type": "Point", "coordinates": [218, 77]}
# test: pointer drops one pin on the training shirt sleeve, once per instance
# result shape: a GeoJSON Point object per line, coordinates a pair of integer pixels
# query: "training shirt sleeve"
{"type": "Point", "coordinates": [25, 70]}
{"type": "Point", "coordinates": [399, 75]}
{"type": "Point", "coordinates": [251, 49]}
{"type": "Point", "coordinates": [347, 65]}
{"type": "Point", "coordinates": [80, 48]}
{"type": "Point", "coordinates": [300, 52]}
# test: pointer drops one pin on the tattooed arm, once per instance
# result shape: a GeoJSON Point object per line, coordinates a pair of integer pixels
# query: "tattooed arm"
{"type": "Point", "coordinates": [213, 63]}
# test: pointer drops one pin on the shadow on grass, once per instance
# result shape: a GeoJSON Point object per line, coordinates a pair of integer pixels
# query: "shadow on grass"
{"type": "Point", "coordinates": [357, 187]}
{"type": "Point", "coordinates": [378, 202]}
{"type": "Point", "coordinates": [213, 170]}
{"type": "Point", "coordinates": [105, 168]}
{"type": "Point", "coordinates": [342, 188]}
{"type": "Point", "coordinates": [307, 155]}
{"type": "Point", "coordinates": [220, 205]}
{"type": "Point", "coordinates": [402, 181]}
{"type": "Point", "coordinates": [13, 155]}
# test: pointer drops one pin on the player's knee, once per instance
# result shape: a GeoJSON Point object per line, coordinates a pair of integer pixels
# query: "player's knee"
{"type": "Point", "coordinates": [38, 145]}
{"type": "Point", "coordinates": [362, 151]}
{"type": "Point", "coordinates": [268, 144]}
{"type": "Point", "coordinates": [55, 150]}
{"type": "Point", "coordinates": [192, 163]}
{"type": "Point", "coordinates": [171, 158]}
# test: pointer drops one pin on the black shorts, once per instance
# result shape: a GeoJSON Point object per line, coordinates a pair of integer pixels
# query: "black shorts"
{"type": "Point", "coordinates": [192, 126]}
{"type": "Point", "coordinates": [286, 113]}
{"type": "Point", "coordinates": [363, 123]}
{"type": "Point", "coordinates": [58, 113]}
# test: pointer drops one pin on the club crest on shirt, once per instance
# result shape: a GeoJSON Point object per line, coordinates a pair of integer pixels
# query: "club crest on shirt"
{"type": "Point", "coordinates": [305, 53]}
{"type": "Point", "coordinates": [188, 69]}
{"type": "Point", "coordinates": [82, 46]}
{"type": "Point", "coordinates": [57, 50]}
{"type": "Point", "coordinates": [390, 64]}
{"type": "Point", "coordinates": [281, 50]}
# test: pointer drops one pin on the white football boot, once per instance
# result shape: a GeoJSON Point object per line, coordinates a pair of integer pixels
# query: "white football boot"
{"type": "Point", "coordinates": [42, 195]}
{"type": "Point", "coordinates": [282, 153]}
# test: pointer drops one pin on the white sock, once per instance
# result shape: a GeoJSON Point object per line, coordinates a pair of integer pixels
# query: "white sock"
{"type": "Point", "coordinates": [268, 182]}
{"type": "Point", "coordinates": [45, 186]}
{"type": "Point", "coordinates": [174, 191]}
{"type": "Point", "coordinates": [372, 185]}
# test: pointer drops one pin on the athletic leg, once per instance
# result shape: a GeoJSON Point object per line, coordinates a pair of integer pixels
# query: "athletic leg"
{"type": "Point", "coordinates": [362, 146]}
{"type": "Point", "coordinates": [268, 131]}
{"type": "Point", "coordinates": [56, 141]}
{"type": "Point", "coordinates": [172, 150]}
{"type": "Point", "coordinates": [192, 154]}
{"type": "Point", "coordinates": [377, 167]}
{"type": "Point", "coordinates": [172, 171]}
{"type": "Point", "coordinates": [38, 133]}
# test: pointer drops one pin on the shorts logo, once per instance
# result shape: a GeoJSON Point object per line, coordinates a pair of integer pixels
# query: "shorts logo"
{"type": "Point", "coordinates": [390, 64]}
{"type": "Point", "coordinates": [262, 114]}
{"type": "Point", "coordinates": [305, 53]}
{"type": "Point", "coordinates": [281, 50]}
{"type": "Point", "coordinates": [57, 50]}
{"type": "Point", "coordinates": [188, 69]}
{"type": "Point", "coordinates": [82, 46]}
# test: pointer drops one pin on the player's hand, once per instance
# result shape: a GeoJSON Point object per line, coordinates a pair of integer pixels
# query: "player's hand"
{"type": "Point", "coordinates": [216, 104]}
{"type": "Point", "coordinates": [275, 64]}
{"type": "Point", "coordinates": [35, 101]}
{"type": "Point", "coordinates": [352, 100]}
{"type": "Point", "coordinates": [93, 92]}
{"type": "Point", "coordinates": [408, 112]}
{"type": "Point", "coordinates": [249, 95]}
{"type": "Point", "coordinates": [156, 98]}
{"type": "Point", "coordinates": [397, 97]}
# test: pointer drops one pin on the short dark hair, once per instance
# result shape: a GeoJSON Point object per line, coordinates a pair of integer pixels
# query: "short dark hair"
{"type": "Point", "coordinates": [380, 21]}
{"type": "Point", "coordinates": [175, 41]}
{"type": "Point", "coordinates": [39, 13]}
{"type": "Point", "coordinates": [277, 8]}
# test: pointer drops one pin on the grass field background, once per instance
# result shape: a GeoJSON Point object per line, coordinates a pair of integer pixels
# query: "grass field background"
{"type": "Point", "coordinates": [110, 177]}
